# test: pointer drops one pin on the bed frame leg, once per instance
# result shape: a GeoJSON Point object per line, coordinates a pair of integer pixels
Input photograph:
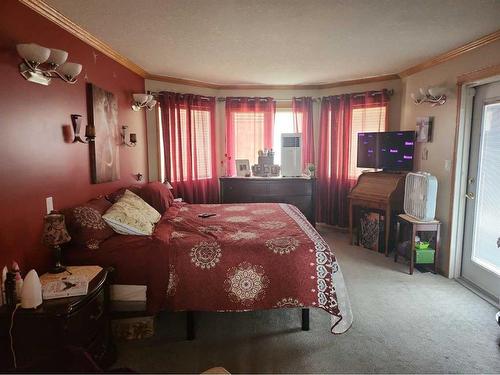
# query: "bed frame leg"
{"type": "Point", "coordinates": [190, 325]}
{"type": "Point", "coordinates": [305, 319]}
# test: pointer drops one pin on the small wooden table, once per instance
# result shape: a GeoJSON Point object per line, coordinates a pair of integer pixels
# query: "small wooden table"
{"type": "Point", "coordinates": [418, 226]}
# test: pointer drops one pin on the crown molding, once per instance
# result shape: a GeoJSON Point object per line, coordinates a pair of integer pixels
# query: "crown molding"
{"type": "Point", "coordinates": [318, 86]}
{"type": "Point", "coordinates": [59, 19]}
{"type": "Point", "coordinates": [478, 74]}
{"type": "Point", "coordinates": [487, 39]}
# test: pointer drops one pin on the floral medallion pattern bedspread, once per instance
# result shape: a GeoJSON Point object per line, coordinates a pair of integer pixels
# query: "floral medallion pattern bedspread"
{"type": "Point", "coordinates": [252, 257]}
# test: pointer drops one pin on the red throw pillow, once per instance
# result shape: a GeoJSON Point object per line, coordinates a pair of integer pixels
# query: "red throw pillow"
{"type": "Point", "coordinates": [86, 225]}
{"type": "Point", "coordinates": [114, 196]}
{"type": "Point", "coordinates": [157, 195]}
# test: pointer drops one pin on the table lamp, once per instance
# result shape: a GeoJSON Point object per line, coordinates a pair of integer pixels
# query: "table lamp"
{"type": "Point", "coordinates": [55, 234]}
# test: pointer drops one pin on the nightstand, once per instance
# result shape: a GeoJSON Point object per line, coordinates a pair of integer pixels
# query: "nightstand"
{"type": "Point", "coordinates": [415, 227]}
{"type": "Point", "coordinates": [82, 322]}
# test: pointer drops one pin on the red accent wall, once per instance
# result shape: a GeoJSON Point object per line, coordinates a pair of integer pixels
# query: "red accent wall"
{"type": "Point", "coordinates": [35, 159]}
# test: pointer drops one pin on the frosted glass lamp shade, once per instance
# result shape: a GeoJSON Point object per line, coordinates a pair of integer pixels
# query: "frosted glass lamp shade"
{"type": "Point", "coordinates": [57, 57]}
{"type": "Point", "coordinates": [33, 52]}
{"type": "Point", "coordinates": [141, 99]}
{"type": "Point", "coordinates": [70, 70]}
{"type": "Point", "coordinates": [31, 293]}
{"type": "Point", "coordinates": [150, 105]}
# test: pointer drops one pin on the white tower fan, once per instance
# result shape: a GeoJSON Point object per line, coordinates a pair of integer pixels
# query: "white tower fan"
{"type": "Point", "coordinates": [420, 195]}
{"type": "Point", "coordinates": [291, 154]}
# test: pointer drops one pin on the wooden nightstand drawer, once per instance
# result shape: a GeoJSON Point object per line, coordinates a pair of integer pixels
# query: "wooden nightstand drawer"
{"type": "Point", "coordinates": [83, 327]}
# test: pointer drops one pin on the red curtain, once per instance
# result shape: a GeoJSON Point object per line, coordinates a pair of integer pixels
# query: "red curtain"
{"type": "Point", "coordinates": [302, 109]}
{"type": "Point", "coordinates": [188, 124]}
{"type": "Point", "coordinates": [334, 182]}
{"type": "Point", "coordinates": [249, 127]}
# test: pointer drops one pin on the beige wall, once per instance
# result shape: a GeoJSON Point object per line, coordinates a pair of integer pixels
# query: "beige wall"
{"type": "Point", "coordinates": [394, 110]}
{"type": "Point", "coordinates": [441, 149]}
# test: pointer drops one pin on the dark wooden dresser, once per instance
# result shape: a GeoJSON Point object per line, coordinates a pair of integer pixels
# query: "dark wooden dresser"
{"type": "Point", "coordinates": [42, 334]}
{"type": "Point", "coordinates": [299, 191]}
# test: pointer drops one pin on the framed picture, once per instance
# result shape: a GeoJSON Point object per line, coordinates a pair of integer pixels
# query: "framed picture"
{"type": "Point", "coordinates": [102, 108]}
{"type": "Point", "coordinates": [424, 129]}
{"type": "Point", "coordinates": [242, 167]}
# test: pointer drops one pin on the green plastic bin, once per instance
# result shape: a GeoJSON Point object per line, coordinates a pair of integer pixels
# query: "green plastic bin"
{"type": "Point", "coordinates": [425, 256]}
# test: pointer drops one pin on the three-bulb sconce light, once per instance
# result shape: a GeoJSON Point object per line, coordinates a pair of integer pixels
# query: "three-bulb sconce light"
{"type": "Point", "coordinates": [143, 101]}
{"type": "Point", "coordinates": [433, 95]}
{"type": "Point", "coordinates": [41, 64]}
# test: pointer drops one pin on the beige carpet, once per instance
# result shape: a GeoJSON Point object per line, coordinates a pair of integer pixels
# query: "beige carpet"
{"type": "Point", "coordinates": [402, 324]}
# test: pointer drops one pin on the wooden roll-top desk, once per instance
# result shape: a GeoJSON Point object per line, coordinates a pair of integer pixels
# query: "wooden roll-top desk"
{"type": "Point", "coordinates": [381, 191]}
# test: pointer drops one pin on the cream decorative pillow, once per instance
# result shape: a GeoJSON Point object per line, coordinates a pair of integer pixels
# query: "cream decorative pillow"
{"type": "Point", "coordinates": [131, 215]}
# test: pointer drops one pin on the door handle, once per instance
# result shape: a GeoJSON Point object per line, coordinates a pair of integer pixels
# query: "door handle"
{"type": "Point", "coordinates": [470, 195]}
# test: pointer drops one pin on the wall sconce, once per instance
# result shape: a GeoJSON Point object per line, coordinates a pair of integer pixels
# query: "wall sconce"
{"type": "Point", "coordinates": [132, 138]}
{"type": "Point", "coordinates": [41, 64]}
{"type": "Point", "coordinates": [143, 101]}
{"type": "Point", "coordinates": [76, 121]}
{"type": "Point", "coordinates": [139, 176]}
{"type": "Point", "coordinates": [433, 95]}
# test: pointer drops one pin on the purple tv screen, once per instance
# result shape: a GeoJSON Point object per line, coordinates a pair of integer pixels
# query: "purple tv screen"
{"type": "Point", "coordinates": [386, 150]}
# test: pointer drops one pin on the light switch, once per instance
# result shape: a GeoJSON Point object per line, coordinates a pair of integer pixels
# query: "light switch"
{"type": "Point", "coordinates": [50, 204]}
{"type": "Point", "coordinates": [425, 154]}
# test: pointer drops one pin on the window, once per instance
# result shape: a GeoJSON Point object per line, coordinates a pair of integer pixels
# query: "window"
{"type": "Point", "coordinates": [371, 119]}
{"type": "Point", "coordinates": [283, 123]}
{"type": "Point", "coordinates": [248, 135]}
{"type": "Point", "coordinates": [199, 147]}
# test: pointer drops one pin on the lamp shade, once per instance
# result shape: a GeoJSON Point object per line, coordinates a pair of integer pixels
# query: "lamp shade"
{"type": "Point", "coordinates": [33, 52]}
{"type": "Point", "coordinates": [57, 57]}
{"type": "Point", "coordinates": [150, 105]}
{"type": "Point", "coordinates": [70, 70]}
{"type": "Point", "coordinates": [54, 230]}
{"type": "Point", "coordinates": [141, 98]}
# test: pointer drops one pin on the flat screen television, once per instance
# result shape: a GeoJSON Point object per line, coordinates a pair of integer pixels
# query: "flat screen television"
{"type": "Point", "coordinates": [393, 151]}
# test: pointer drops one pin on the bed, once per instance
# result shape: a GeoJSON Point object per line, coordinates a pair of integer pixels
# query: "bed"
{"type": "Point", "coordinates": [243, 257]}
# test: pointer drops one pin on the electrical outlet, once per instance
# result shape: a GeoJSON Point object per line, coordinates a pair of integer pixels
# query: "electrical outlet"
{"type": "Point", "coordinates": [49, 202]}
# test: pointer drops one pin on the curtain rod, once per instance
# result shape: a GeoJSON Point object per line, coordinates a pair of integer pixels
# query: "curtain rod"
{"type": "Point", "coordinates": [223, 98]}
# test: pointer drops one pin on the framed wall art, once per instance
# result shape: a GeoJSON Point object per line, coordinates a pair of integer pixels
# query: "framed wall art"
{"type": "Point", "coordinates": [104, 151]}
{"type": "Point", "coordinates": [424, 129]}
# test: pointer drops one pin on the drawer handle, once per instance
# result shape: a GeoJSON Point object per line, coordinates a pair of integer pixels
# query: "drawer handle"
{"type": "Point", "coordinates": [98, 314]}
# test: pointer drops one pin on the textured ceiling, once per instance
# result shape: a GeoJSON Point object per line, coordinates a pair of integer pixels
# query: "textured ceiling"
{"type": "Point", "coordinates": [281, 41]}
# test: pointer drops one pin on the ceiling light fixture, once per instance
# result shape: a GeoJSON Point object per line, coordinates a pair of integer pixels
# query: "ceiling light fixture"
{"type": "Point", "coordinates": [41, 64]}
{"type": "Point", "coordinates": [433, 95]}
{"type": "Point", "coordinates": [143, 101]}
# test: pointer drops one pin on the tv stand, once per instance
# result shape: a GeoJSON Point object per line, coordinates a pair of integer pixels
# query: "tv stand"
{"type": "Point", "coordinates": [381, 191]}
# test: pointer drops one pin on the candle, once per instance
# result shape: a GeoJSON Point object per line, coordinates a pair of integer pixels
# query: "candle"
{"type": "Point", "coordinates": [89, 131]}
{"type": "Point", "coordinates": [133, 138]}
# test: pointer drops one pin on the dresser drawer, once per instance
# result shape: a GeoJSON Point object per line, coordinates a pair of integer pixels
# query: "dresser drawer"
{"type": "Point", "coordinates": [285, 187]}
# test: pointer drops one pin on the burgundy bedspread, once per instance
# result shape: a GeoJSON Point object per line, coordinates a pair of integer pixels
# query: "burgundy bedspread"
{"type": "Point", "coordinates": [137, 260]}
{"type": "Point", "coordinates": [251, 257]}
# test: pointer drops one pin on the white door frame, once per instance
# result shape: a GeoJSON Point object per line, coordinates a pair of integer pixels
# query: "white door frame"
{"type": "Point", "coordinates": [461, 169]}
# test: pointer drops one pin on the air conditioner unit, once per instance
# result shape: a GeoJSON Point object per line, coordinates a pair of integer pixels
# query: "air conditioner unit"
{"type": "Point", "coordinates": [420, 196]}
{"type": "Point", "coordinates": [291, 154]}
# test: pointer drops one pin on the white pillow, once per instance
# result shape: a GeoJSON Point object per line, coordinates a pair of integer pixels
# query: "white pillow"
{"type": "Point", "coordinates": [132, 215]}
